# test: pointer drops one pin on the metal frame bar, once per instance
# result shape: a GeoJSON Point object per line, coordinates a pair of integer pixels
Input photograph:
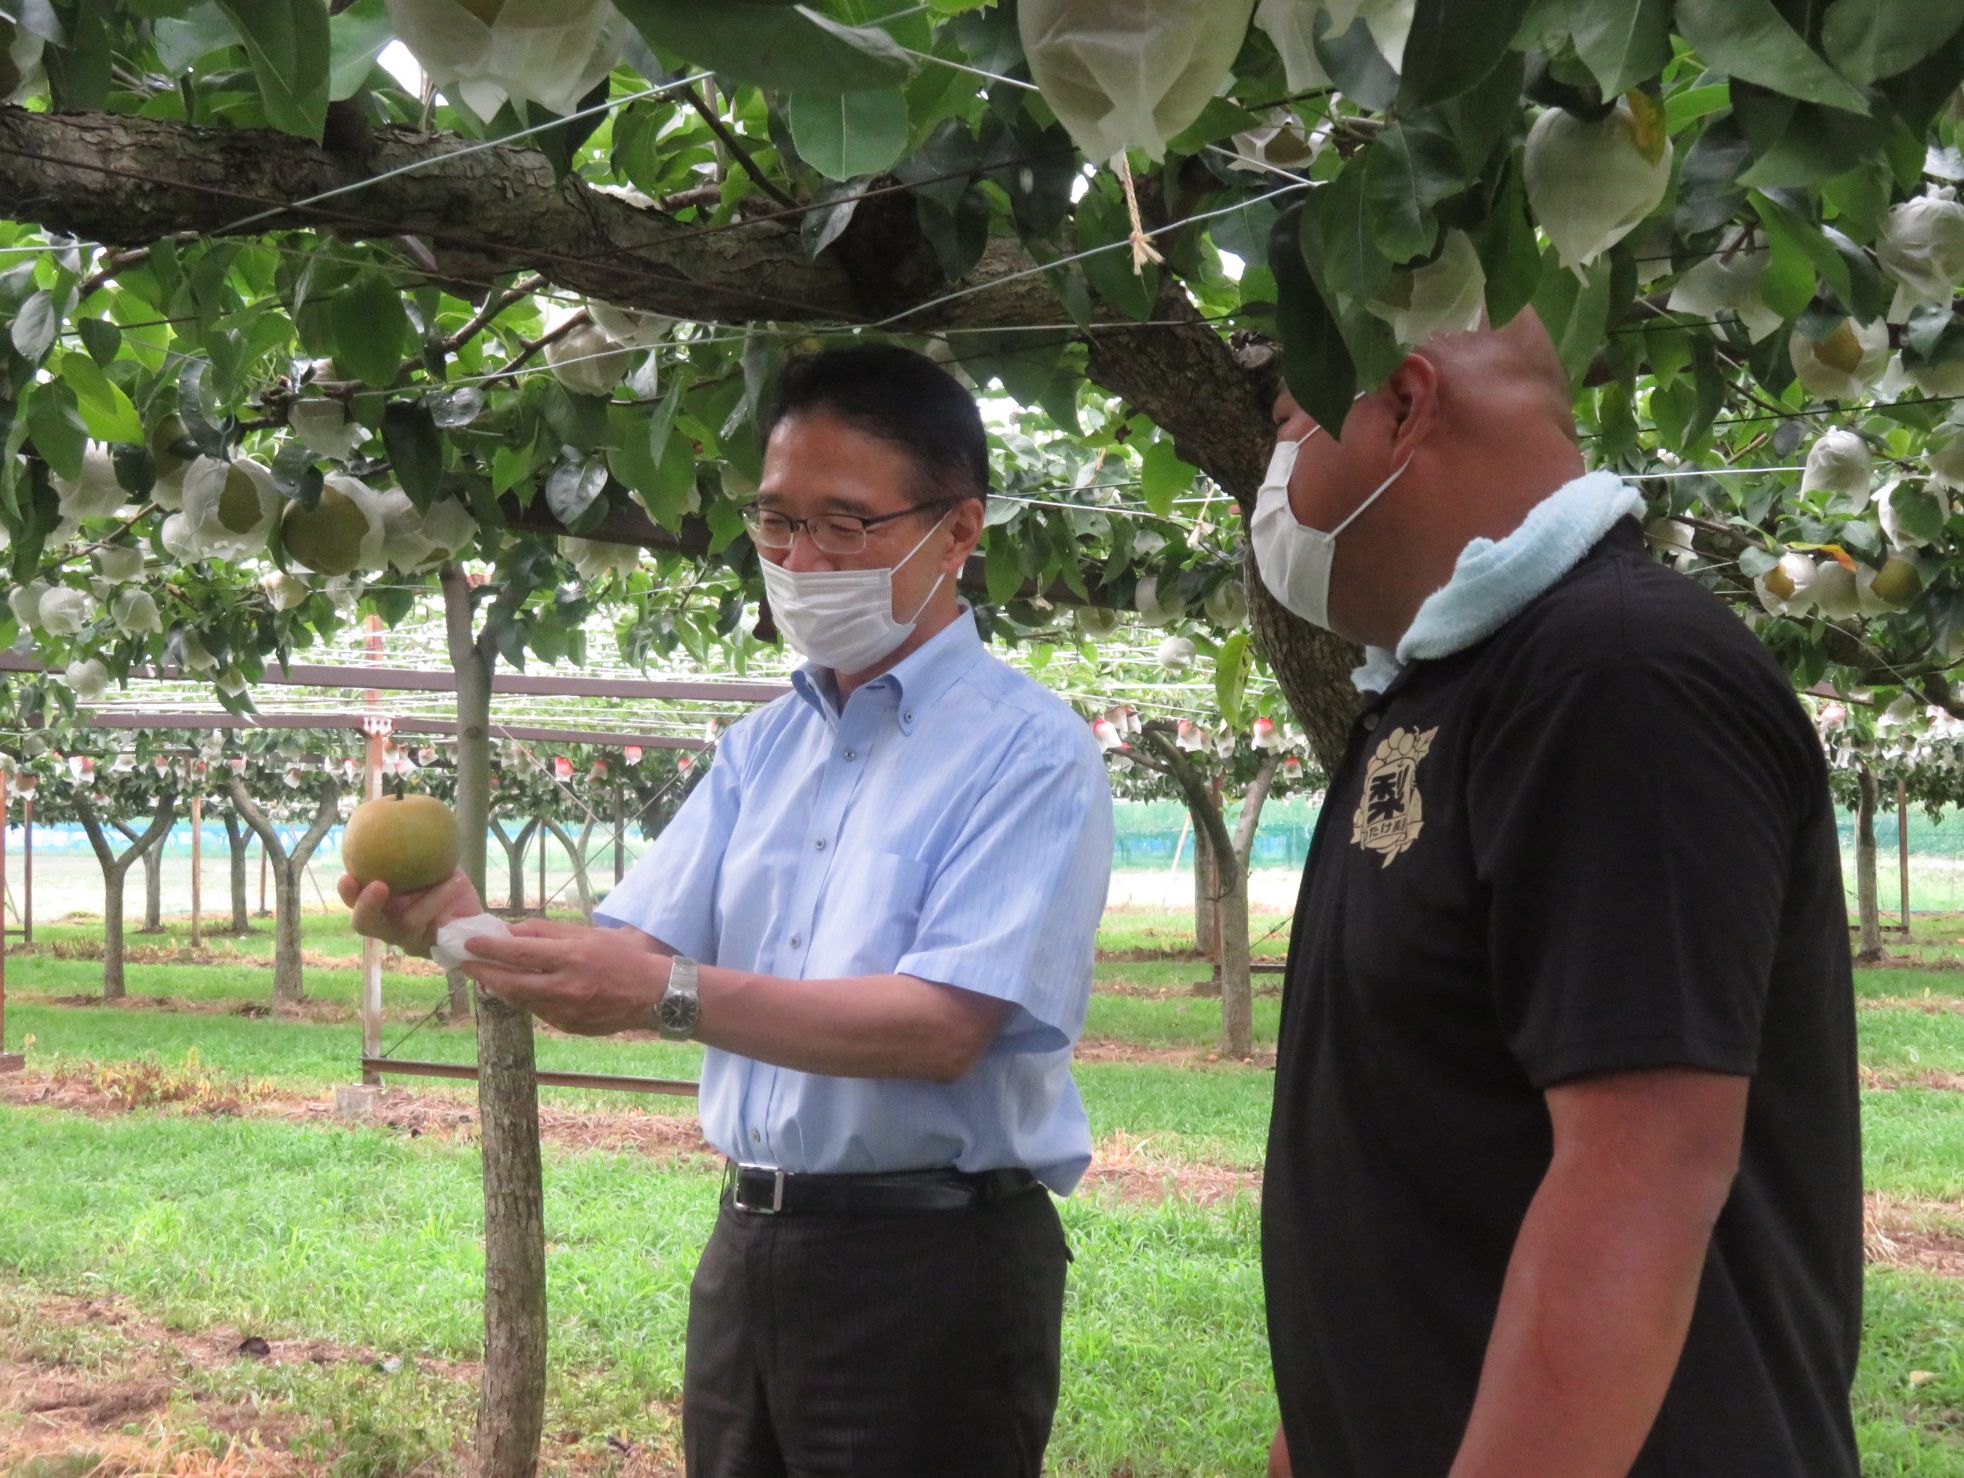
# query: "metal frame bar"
{"type": "Point", "coordinates": [410, 1068]}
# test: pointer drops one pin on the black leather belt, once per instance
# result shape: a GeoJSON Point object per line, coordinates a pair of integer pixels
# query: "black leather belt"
{"type": "Point", "coordinates": [761, 1190]}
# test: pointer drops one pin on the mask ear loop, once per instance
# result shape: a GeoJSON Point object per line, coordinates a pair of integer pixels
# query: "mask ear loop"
{"type": "Point", "coordinates": [1356, 512]}
{"type": "Point", "coordinates": [916, 550]}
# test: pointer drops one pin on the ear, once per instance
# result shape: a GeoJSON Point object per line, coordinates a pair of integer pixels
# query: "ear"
{"type": "Point", "coordinates": [964, 533]}
{"type": "Point", "coordinates": [1414, 387]}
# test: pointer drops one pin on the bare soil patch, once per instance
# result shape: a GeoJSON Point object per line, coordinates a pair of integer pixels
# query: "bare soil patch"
{"type": "Point", "coordinates": [1104, 1049]}
{"type": "Point", "coordinates": [1923, 1236]}
{"type": "Point", "coordinates": [1889, 1078]}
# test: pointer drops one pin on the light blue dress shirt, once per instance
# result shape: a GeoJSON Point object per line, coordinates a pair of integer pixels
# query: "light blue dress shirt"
{"type": "Point", "coordinates": [952, 823]}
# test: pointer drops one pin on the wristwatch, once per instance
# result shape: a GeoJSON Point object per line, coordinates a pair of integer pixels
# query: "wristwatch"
{"type": "Point", "coordinates": [680, 1007]}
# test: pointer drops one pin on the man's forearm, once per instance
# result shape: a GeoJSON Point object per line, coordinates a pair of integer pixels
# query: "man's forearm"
{"type": "Point", "coordinates": [1592, 1320]}
{"type": "Point", "coordinates": [876, 1026]}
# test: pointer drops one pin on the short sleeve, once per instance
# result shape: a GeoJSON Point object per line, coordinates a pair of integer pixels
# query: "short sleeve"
{"type": "Point", "coordinates": [1013, 905]}
{"type": "Point", "coordinates": [1634, 832]}
{"type": "Point", "coordinates": [670, 892]}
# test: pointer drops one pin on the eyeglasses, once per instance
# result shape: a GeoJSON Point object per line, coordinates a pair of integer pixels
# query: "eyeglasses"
{"type": "Point", "coordinates": [830, 533]}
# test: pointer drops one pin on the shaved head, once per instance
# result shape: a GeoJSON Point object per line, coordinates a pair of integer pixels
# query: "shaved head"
{"type": "Point", "coordinates": [1515, 366]}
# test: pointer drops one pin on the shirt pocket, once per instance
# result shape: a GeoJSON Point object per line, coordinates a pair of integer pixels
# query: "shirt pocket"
{"type": "Point", "coordinates": [867, 915]}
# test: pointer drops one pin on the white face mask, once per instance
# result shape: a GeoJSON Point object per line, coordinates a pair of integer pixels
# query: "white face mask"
{"type": "Point", "coordinates": [1293, 558]}
{"type": "Point", "coordinates": [843, 619]}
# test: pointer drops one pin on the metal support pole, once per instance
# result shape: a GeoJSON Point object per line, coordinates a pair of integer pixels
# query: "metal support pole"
{"type": "Point", "coordinates": [197, 865]}
{"type": "Point", "coordinates": [620, 831]}
{"type": "Point", "coordinates": [27, 867]}
{"type": "Point", "coordinates": [10, 1062]}
{"type": "Point", "coordinates": [1902, 848]}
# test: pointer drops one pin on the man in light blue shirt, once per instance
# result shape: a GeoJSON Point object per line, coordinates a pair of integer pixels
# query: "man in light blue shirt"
{"type": "Point", "coordinates": [878, 912]}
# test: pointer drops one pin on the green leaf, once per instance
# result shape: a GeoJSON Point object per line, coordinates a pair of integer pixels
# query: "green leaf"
{"type": "Point", "coordinates": [1750, 39]}
{"type": "Point", "coordinates": [1787, 286]}
{"type": "Point", "coordinates": [1622, 44]}
{"type": "Point", "coordinates": [371, 330]}
{"type": "Point", "coordinates": [1452, 46]}
{"type": "Point", "coordinates": [105, 409]}
{"type": "Point", "coordinates": [1917, 513]}
{"type": "Point", "coordinates": [1576, 314]}
{"type": "Point", "coordinates": [415, 449]}
{"type": "Point", "coordinates": [1002, 568]}
{"type": "Point", "coordinates": [1509, 253]}
{"type": "Point", "coordinates": [512, 465]}
{"type": "Point", "coordinates": [788, 47]}
{"type": "Point", "coordinates": [36, 324]}
{"type": "Point", "coordinates": [1872, 39]}
{"type": "Point", "coordinates": [100, 337]}
{"type": "Point", "coordinates": [55, 424]}
{"type": "Point", "coordinates": [289, 45]}
{"type": "Point", "coordinates": [1316, 363]}
{"type": "Point", "coordinates": [1231, 666]}
{"type": "Point", "coordinates": [1163, 476]}
{"type": "Point", "coordinates": [846, 134]}
{"type": "Point", "coordinates": [358, 35]}
{"type": "Point", "coordinates": [574, 487]}
{"type": "Point", "coordinates": [1408, 169]}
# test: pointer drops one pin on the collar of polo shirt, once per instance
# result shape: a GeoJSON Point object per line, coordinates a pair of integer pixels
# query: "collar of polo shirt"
{"type": "Point", "coordinates": [916, 681]}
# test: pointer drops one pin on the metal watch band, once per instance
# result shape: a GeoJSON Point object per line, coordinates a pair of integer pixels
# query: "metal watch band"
{"type": "Point", "coordinates": [680, 1007]}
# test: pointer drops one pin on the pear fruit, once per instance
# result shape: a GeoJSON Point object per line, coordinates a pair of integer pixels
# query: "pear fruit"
{"type": "Point", "coordinates": [1841, 349]}
{"type": "Point", "coordinates": [1779, 584]}
{"type": "Point", "coordinates": [165, 437]}
{"type": "Point", "coordinates": [1897, 583]}
{"type": "Point", "coordinates": [326, 538]}
{"type": "Point", "coordinates": [406, 841]}
{"type": "Point", "coordinates": [238, 504]}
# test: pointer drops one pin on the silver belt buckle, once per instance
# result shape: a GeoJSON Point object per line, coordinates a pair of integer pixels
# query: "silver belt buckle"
{"type": "Point", "coordinates": [777, 1190]}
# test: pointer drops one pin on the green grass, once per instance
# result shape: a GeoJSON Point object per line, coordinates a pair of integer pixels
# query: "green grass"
{"type": "Point", "coordinates": [371, 1239]}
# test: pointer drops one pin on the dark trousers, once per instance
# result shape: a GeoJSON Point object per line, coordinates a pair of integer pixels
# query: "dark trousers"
{"type": "Point", "coordinates": [919, 1346]}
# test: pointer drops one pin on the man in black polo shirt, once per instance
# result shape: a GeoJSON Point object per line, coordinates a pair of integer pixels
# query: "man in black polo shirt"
{"type": "Point", "coordinates": [1564, 1171]}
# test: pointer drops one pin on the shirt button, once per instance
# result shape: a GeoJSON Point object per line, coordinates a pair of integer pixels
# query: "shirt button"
{"type": "Point", "coordinates": [907, 718]}
{"type": "Point", "coordinates": [1370, 722]}
{"type": "Point", "coordinates": [819, 844]}
{"type": "Point", "coordinates": [756, 1137]}
{"type": "Point", "coordinates": [852, 754]}
{"type": "Point", "coordinates": [796, 940]}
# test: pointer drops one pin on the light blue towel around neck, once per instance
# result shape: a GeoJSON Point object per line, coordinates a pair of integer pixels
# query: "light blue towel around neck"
{"type": "Point", "coordinates": [1494, 579]}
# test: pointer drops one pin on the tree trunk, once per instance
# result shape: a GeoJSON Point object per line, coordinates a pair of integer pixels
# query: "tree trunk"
{"type": "Point", "coordinates": [512, 1389]}
{"type": "Point", "coordinates": [1867, 904]}
{"type": "Point", "coordinates": [240, 837]}
{"type": "Point", "coordinates": [1206, 933]}
{"type": "Point", "coordinates": [113, 985]}
{"type": "Point", "coordinates": [1237, 984]}
{"type": "Point", "coordinates": [289, 983]}
{"type": "Point", "coordinates": [459, 986]}
{"type": "Point", "coordinates": [115, 869]}
{"type": "Point", "coordinates": [153, 887]}
{"type": "Point", "coordinates": [576, 850]}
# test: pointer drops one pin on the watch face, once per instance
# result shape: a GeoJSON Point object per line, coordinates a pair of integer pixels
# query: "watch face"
{"type": "Point", "coordinates": [677, 1013]}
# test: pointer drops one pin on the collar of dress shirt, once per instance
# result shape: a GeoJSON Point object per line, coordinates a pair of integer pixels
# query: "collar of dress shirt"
{"type": "Point", "coordinates": [917, 681]}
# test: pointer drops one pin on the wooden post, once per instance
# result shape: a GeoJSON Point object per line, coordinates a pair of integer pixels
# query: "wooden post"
{"type": "Point", "coordinates": [27, 867]}
{"type": "Point", "coordinates": [10, 1062]}
{"type": "Point", "coordinates": [197, 862]}
{"type": "Point", "coordinates": [371, 949]}
{"type": "Point", "coordinates": [1902, 848]}
{"type": "Point", "coordinates": [262, 879]}
{"type": "Point", "coordinates": [541, 837]}
{"type": "Point", "coordinates": [620, 831]}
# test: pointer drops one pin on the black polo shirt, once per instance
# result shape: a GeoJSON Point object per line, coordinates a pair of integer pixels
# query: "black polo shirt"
{"type": "Point", "coordinates": [1601, 839]}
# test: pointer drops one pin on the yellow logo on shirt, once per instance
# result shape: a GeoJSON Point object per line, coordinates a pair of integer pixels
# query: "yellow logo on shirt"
{"type": "Point", "coordinates": [1390, 813]}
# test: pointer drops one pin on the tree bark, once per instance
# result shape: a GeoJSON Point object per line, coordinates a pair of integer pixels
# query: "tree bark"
{"type": "Point", "coordinates": [576, 850]}
{"type": "Point", "coordinates": [512, 1388]}
{"type": "Point", "coordinates": [515, 844]}
{"type": "Point", "coordinates": [1867, 903]}
{"type": "Point", "coordinates": [289, 980]}
{"type": "Point", "coordinates": [1206, 891]}
{"type": "Point", "coordinates": [1237, 1024]}
{"type": "Point", "coordinates": [115, 869]}
{"type": "Point", "coordinates": [487, 212]}
{"type": "Point", "coordinates": [240, 837]}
